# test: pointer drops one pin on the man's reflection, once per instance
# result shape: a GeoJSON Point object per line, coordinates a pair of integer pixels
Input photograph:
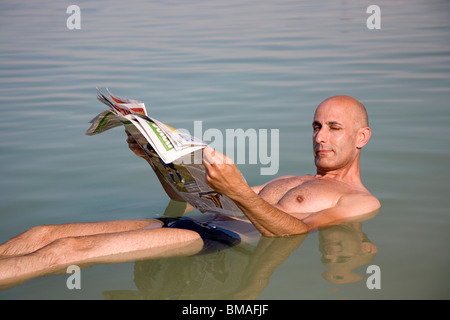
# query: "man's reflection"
{"type": "Point", "coordinates": [244, 271]}
{"type": "Point", "coordinates": [345, 248]}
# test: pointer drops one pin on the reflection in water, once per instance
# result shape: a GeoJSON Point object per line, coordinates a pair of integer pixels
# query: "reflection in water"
{"type": "Point", "coordinates": [244, 271]}
{"type": "Point", "coordinates": [343, 249]}
{"type": "Point", "coordinates": [241, 272]}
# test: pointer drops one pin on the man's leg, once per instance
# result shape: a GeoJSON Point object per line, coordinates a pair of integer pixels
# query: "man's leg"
{"type": "Point", "coordinates": [99, 248]}
{"type": "Point", "coordinates": [40, 236]}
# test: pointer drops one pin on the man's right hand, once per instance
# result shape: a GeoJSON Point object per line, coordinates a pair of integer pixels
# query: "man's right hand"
{"type": "Point", "coordinates": [136, 148]}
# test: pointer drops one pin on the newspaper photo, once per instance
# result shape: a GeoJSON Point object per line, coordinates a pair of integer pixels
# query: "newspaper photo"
{"type": "Point", "coordinates": [177, 156]}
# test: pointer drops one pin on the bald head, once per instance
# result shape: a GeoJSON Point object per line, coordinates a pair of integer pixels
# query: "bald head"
{"type": "Point", "coordinates": [352, 108]}
{"type": "Point", "coordinates": [340, 131]}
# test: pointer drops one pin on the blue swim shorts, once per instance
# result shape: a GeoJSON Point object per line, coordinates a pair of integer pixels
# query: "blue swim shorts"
{"type": "Point", "coordinates": [214, 238]}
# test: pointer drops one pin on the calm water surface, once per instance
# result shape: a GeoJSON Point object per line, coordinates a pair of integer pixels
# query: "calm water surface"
{"type": "Point", "coordinates": [232, 64]}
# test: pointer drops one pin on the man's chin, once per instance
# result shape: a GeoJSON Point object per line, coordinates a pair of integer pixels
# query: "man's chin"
{"type": "Point", "coordinates": [323, 165]}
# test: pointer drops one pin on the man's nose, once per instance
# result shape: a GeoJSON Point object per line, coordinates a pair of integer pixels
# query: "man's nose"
{"type": "Point", "coordinates": [321, 136]}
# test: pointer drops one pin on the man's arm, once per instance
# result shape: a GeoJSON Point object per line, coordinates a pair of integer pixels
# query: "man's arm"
{"type": "Point", "coordinates": [224, 177]}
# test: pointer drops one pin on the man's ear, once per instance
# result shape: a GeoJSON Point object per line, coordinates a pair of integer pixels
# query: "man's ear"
{"type": "Point", "coordinates": [363, 137]}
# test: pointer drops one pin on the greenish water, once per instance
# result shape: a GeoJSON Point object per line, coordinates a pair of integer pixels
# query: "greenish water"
{"type": "Point", "coordinates": [232, 64]}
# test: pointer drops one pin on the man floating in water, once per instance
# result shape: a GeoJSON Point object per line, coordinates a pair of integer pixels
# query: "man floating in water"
{"type": "Point", "coordinates": [285, 206]}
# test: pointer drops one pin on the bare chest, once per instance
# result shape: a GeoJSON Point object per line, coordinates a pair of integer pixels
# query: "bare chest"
{"type": "Point", "coordinates": [303, 194]}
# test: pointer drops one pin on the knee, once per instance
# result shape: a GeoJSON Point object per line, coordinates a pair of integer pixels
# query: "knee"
{"type": "Point", "coordinates": [38, 235]}
{"type": "Point", "coordinates": [42, 230]}
{"type": "Point", "coordinates": [65, 250]}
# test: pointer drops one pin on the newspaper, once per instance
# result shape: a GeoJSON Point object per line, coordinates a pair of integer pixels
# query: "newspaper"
{"type": "Point", "coordinates": [174, 154]}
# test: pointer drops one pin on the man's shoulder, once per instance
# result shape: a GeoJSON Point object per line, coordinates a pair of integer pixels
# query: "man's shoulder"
{"type": "Point", "coordinates": [362, 199]}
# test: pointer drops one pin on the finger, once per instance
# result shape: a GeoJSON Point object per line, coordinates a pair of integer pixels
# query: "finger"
{"type": "Point", "coordinates": [215, 157]}
{"type": "Point", "coordinates": [131, 139]}
{"type": "Point", "coordinates": [220, 158]}
{"type": "Point", "coordinates": [227, 160]}
{"type": "Point", "coordinates": [207, 165]}
{"type": "Point", "coordinates": [208, 155]}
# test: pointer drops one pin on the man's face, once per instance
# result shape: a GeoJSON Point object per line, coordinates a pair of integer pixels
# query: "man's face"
{"type": "Point", "coordinates": [334, 136]}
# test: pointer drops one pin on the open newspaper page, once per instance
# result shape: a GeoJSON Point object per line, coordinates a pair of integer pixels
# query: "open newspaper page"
{"type": "Point", "coordinates": [176, 155]}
